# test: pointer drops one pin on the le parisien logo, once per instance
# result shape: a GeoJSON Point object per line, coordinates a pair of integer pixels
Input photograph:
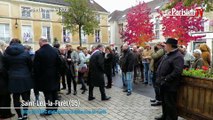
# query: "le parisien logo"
{"type": "Point", "coordinates": [197, 12]}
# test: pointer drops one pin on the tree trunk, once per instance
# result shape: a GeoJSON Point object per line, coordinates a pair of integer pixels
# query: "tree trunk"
{"type": "Point", "coordinates": [79, 32]}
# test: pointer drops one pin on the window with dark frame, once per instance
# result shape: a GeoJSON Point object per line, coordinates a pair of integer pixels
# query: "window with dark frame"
{"type": "Point", "coordinates": [27, 33]}
{"type": "Point", "coordinates": [46, 33]}
{"type": "Point", "coordinates": [97, 36]}
{"type": "Point", "coordinates": [25, 12]}
{"type": "Point", "coordinates": [45, 14]}
{"type": "Point", "coordinates": [66, 35]}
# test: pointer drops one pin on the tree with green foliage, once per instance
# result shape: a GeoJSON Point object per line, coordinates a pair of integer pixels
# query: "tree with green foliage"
{"type": "Point", "coordinates": [208, 3]}
{"type": "Point", "coordinates": [79, 16]}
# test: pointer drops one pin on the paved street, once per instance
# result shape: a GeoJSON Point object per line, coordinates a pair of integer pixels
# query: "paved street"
{"type": "Point", "coordinates": [139, 88]}
{"type": "Point", "coordinates": [119, 107]}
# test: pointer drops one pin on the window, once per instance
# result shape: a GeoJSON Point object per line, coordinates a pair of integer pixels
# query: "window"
{"type": "Point", "coordinates": [157, 23]}
{"type": "Point", "coordinates": [98, 18]}
{"type": "Point", "coordinates": [206, 25]}
{"type": "Point", "coordinates": [66, 35]}
{"type": "Point", "coordinates": [45, 14]}
{"type": "Point", "coordinates": [121, 28]}
{"type": "Point", "coordinates": [25, 11]}
{"type": "Point", "coordinates": [157, 28]}
{"type": "Point", "coordinates": [203, 25]}
{"type": "Point", "coordinates": [4, 32]}
{"type": "Point", "coordinates": [157, 34]}
{"type": "Point", "coordinates": [27, 34]}
{"type": "Point", "coordinates": [83, 36]}
{"type": "Point", "coordinates": [46, 33]}
{"type": "Point", "coordinates": [97, 36]}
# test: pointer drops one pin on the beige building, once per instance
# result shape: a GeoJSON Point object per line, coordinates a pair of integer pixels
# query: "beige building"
{"type": "Point", "coordinates": [29, 20]}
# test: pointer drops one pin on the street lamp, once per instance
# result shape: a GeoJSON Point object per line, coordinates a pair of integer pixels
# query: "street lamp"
{"type": "Point", "coordinates": [16, 24]}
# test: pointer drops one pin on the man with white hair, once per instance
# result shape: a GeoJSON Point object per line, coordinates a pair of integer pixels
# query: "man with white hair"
{"type": "Point", "coordinates": [46, 67]}
{"type": "Point", "coordinates": [96, 73]}
{"type": "Point", "coordinates": [188, 57]}
{"type": "Point", "coordinates": [198, 63]}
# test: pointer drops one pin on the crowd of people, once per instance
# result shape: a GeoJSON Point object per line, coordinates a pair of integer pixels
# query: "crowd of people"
{"type": "Point", "coordinates": [162, 66]}
{"type": "Point", "coordinates": [22, 70]}
{"type": "Point", "coordinates": [53, 68]}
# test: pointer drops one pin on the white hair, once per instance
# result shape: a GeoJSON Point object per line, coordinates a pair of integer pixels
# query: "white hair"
{"type": "Point", "coordinates": [43, 39]}
{"type": "Point", "coordinates": [198, 51]}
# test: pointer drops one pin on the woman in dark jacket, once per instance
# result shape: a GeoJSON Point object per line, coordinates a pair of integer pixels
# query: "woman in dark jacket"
{"type": "Point", "coordinates": [19, 65]}
{"type": "Point", "coordinates": [108, 60]}
{"type": "Point", "coordinates": [4, 93]}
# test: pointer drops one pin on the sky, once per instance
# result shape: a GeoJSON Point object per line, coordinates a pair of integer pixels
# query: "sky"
{"type": "Point", "coordinates": [112, 5]}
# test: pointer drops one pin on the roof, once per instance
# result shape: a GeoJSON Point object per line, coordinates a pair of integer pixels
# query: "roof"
{"type": "Point", "coordinates": [95, 6]}
{"type": "Point", "coordinates": [121, 15]}
{"type": "Point", "coordinates": [118, 15]}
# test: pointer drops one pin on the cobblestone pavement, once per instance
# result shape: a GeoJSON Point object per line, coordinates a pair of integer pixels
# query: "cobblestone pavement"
{"type": "Point", "coordinates": [119, 107]}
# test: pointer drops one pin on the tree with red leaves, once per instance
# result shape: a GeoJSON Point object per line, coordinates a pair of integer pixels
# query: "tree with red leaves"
{"type": "Point", "coordinates": [179, 26]}
{"type": "Point", "coordinates": [139, 28]}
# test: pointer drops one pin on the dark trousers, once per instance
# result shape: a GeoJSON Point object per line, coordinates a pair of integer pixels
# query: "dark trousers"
{"type": "Point", "coordinates": [135, 72]}
{"type": "Point", "coordinates": [142, 73]}
{"type": "Point", "coordinates": [109, 79]}
{"type": "Point", "coordinates": [156, 87]}
{"type": "Point", "coordinates": [36, 92]}
{"type": "Point", "coordinates": [113, 69]}
{"type": "Point", "coordinates": [80, 78]}
{"type": "Point", "coordinates": [101, 88]}
{"type": "Point", "coordinates": [51, 97]}
{"type": "Point", "coordinates": [17, 104]}
{"type": "Point", "coordinates": [71, 78]}
{"type": "Point", "coordinates": [169, 108]}
{"type": "Point", "coordinates": [5, 101]}
{"type": "Point", "coordinates": [63, 81]}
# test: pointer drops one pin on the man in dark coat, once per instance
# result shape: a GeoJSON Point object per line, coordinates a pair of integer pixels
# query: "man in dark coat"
{"type": "Point", "coordinates": [47, 67]}
{"type": "Point", "coordinates": [128, 68]}
{"type": "Point", "coordinates": [168, 78]}
{"type": "Point", "coordinates": [96, 73]}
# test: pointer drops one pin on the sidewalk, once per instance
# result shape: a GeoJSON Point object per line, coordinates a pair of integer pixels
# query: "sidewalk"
{"type": "Point", "coordinates": [119, 107]}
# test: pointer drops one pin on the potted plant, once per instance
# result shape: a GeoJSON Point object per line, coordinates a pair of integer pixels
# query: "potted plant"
{"type": "Point", "coordinates": [195, 96]}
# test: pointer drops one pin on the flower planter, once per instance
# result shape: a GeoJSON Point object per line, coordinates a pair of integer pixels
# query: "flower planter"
{"type": "Point", "coordinates": [195, 98]}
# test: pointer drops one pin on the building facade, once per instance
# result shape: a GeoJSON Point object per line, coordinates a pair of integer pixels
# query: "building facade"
{"type": "Point", "coordinates": [117, 21]}
{"type": "Point", "coordinates": [29, 20]}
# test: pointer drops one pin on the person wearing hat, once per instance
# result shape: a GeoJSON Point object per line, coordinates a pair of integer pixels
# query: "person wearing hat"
{"type": "Point", "coordinates": [198, 63]}
{"type": "Point", "coordinates": [168, 77]}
